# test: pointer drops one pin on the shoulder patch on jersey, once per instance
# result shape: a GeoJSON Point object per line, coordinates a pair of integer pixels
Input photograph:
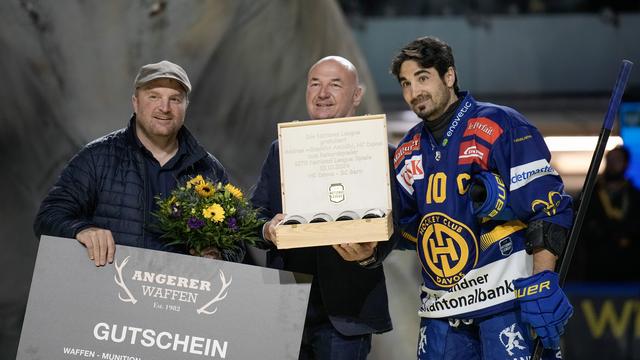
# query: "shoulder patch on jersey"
{"type": "Point", "coordinates": [484, 128]}
{"type": "Point", "coordinates": [523, 174]}
{"type": "Point", "coordinates": [405, 149]}
{"type": "Point", "coordinates": [411, 170]}
{"type": "Point", "coordinates": [473, 152]}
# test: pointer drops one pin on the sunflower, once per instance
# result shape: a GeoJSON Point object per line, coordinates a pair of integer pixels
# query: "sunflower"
{"type": "Point", "coordinates": [204, 189]}
{"type": "Point", "coordinates": [195, 181]}
{"type": "Point", "coordinates": [237, 193]}
{"type": "Point", "coordinates": [215, 213]}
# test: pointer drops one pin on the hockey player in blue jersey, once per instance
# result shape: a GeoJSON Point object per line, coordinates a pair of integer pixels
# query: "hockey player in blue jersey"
{"type": "Point", "coordinates": [486, 212]}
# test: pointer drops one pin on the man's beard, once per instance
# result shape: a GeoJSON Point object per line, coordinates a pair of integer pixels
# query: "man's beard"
{"type": "Point", "coordinates": [435, 112]}
{"type": "Point", "coordinates": [425, 112]}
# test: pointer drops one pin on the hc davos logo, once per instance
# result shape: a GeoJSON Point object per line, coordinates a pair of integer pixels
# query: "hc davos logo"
{"type": "Point", "coordinates": [444, 249]}
{"type": "Point", "coordinates": [172, 291]}
{"type": "Point", "coordinates": [511, 338]}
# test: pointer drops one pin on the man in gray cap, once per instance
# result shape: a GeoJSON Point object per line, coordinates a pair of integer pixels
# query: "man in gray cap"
{"type": "Point", "coordinates": [105, 194]}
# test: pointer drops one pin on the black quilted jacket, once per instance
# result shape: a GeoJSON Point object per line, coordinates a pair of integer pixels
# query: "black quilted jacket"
{"type": "Point", "coordinates": [104, 186]}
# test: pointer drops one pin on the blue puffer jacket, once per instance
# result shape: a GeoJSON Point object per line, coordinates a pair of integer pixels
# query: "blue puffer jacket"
{"type": "Point", "coordinates": [104, 186]}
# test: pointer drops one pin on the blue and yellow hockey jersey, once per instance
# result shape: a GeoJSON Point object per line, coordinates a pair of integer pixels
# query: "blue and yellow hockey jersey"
{"type": "Point", "coordinates": [468, 264]}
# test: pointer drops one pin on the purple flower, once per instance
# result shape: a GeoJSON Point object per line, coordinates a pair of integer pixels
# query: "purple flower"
{"type": "Point", "coordinates": [194, 223]}
{"type": "Point", "coordinates": [232, 223]}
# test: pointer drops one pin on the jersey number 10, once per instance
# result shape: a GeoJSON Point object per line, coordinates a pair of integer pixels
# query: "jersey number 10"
{"type": "Point", "coordinates": [437, 187]}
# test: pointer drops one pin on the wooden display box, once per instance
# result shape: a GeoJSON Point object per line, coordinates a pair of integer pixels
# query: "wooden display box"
{"type": "Point", "coordinates": [333, 167]}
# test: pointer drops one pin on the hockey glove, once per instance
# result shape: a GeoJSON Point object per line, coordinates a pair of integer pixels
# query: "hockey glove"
{"type": "Point", "coordinates": [489, 197]}
{"type": "Point", "coordinates": [544, 306]}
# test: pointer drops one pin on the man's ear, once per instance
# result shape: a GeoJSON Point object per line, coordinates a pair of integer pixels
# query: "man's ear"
{"type": "Point", "coordinates": [357, 95]}
{"type": "Point", "coordinates": [450, 77]}
{"type": "Point", "coordinates": [134, 103]}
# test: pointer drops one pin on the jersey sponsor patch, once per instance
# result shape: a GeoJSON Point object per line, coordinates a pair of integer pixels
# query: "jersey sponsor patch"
{"type": "Point", "coordinates": [456, 121]}
{"type": "Point", "coordinates": [521, 175]}
{"type": "Point", "coordinates": [479, 289]}
{"type": "Point", "coordinates": [447, 248]}
{"type": "Point", "coordinates": [411, 170]}
{"type": "Point", "coordinates": [484, 128]}
{"type": "Point", "coordinates": [473, 152]}
{"type": "Point", "coordinates": [406, 149]}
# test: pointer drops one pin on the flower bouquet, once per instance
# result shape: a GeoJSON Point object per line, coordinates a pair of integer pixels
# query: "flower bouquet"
{"type": "Point", "coordinates": [203, 215]}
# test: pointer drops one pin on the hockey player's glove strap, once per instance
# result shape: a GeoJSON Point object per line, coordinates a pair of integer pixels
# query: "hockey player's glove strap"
{"type": "Point", "coordinates": [489, 197]}
{"type": "Point", "coordinates": [544, 306]}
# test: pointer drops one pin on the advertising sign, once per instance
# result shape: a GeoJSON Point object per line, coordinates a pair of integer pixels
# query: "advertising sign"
{"type": "Point", "coordinates": [157, 305]}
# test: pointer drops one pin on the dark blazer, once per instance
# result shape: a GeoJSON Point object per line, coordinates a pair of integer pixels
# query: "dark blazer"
{"type": "Point", "coordinates": [354, 297]}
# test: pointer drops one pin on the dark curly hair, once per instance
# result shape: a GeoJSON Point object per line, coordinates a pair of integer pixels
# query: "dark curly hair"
{"type": "Point", "coordinates": [428, 52]}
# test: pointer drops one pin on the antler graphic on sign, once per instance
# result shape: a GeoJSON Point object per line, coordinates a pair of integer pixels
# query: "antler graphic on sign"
{"type": "Point", "coordinates": [120, 282]}
{"type": "Point", "coordinates": [221, 295]}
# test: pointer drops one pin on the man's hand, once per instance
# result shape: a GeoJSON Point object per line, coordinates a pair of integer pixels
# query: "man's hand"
{"type": "Point", "coordinates": [269, 229]}
{"type": "Point", "coordinates": [99, 243]}
{"type": "Point", "coordinates": [544, 306]}
{"type": "Point", "coordinates": [357, 251]}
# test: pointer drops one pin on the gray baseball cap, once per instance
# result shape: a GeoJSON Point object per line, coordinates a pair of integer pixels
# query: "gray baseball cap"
{"type": "Point", "coordinates": [160, 70]}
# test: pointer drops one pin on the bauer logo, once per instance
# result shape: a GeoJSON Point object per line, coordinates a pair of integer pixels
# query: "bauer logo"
{"type": "Point", "coordinates": [523, 174]}
{"type": "Point", "coordinates": [444, 248]}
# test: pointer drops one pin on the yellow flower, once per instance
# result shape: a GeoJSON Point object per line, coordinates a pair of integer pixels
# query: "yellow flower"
{"type": "Point", "coordinates": [214, 212]}
{"type": "Point", "coordinates": [195, 181]}
{"type": "Point", "coordinates": [237, 193]}
{"type": "Point", "coordinates": [204, 189]}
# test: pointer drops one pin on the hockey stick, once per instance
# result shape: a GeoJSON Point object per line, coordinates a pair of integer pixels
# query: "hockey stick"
{"type": "Point", "coordinates": [590, 180]}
